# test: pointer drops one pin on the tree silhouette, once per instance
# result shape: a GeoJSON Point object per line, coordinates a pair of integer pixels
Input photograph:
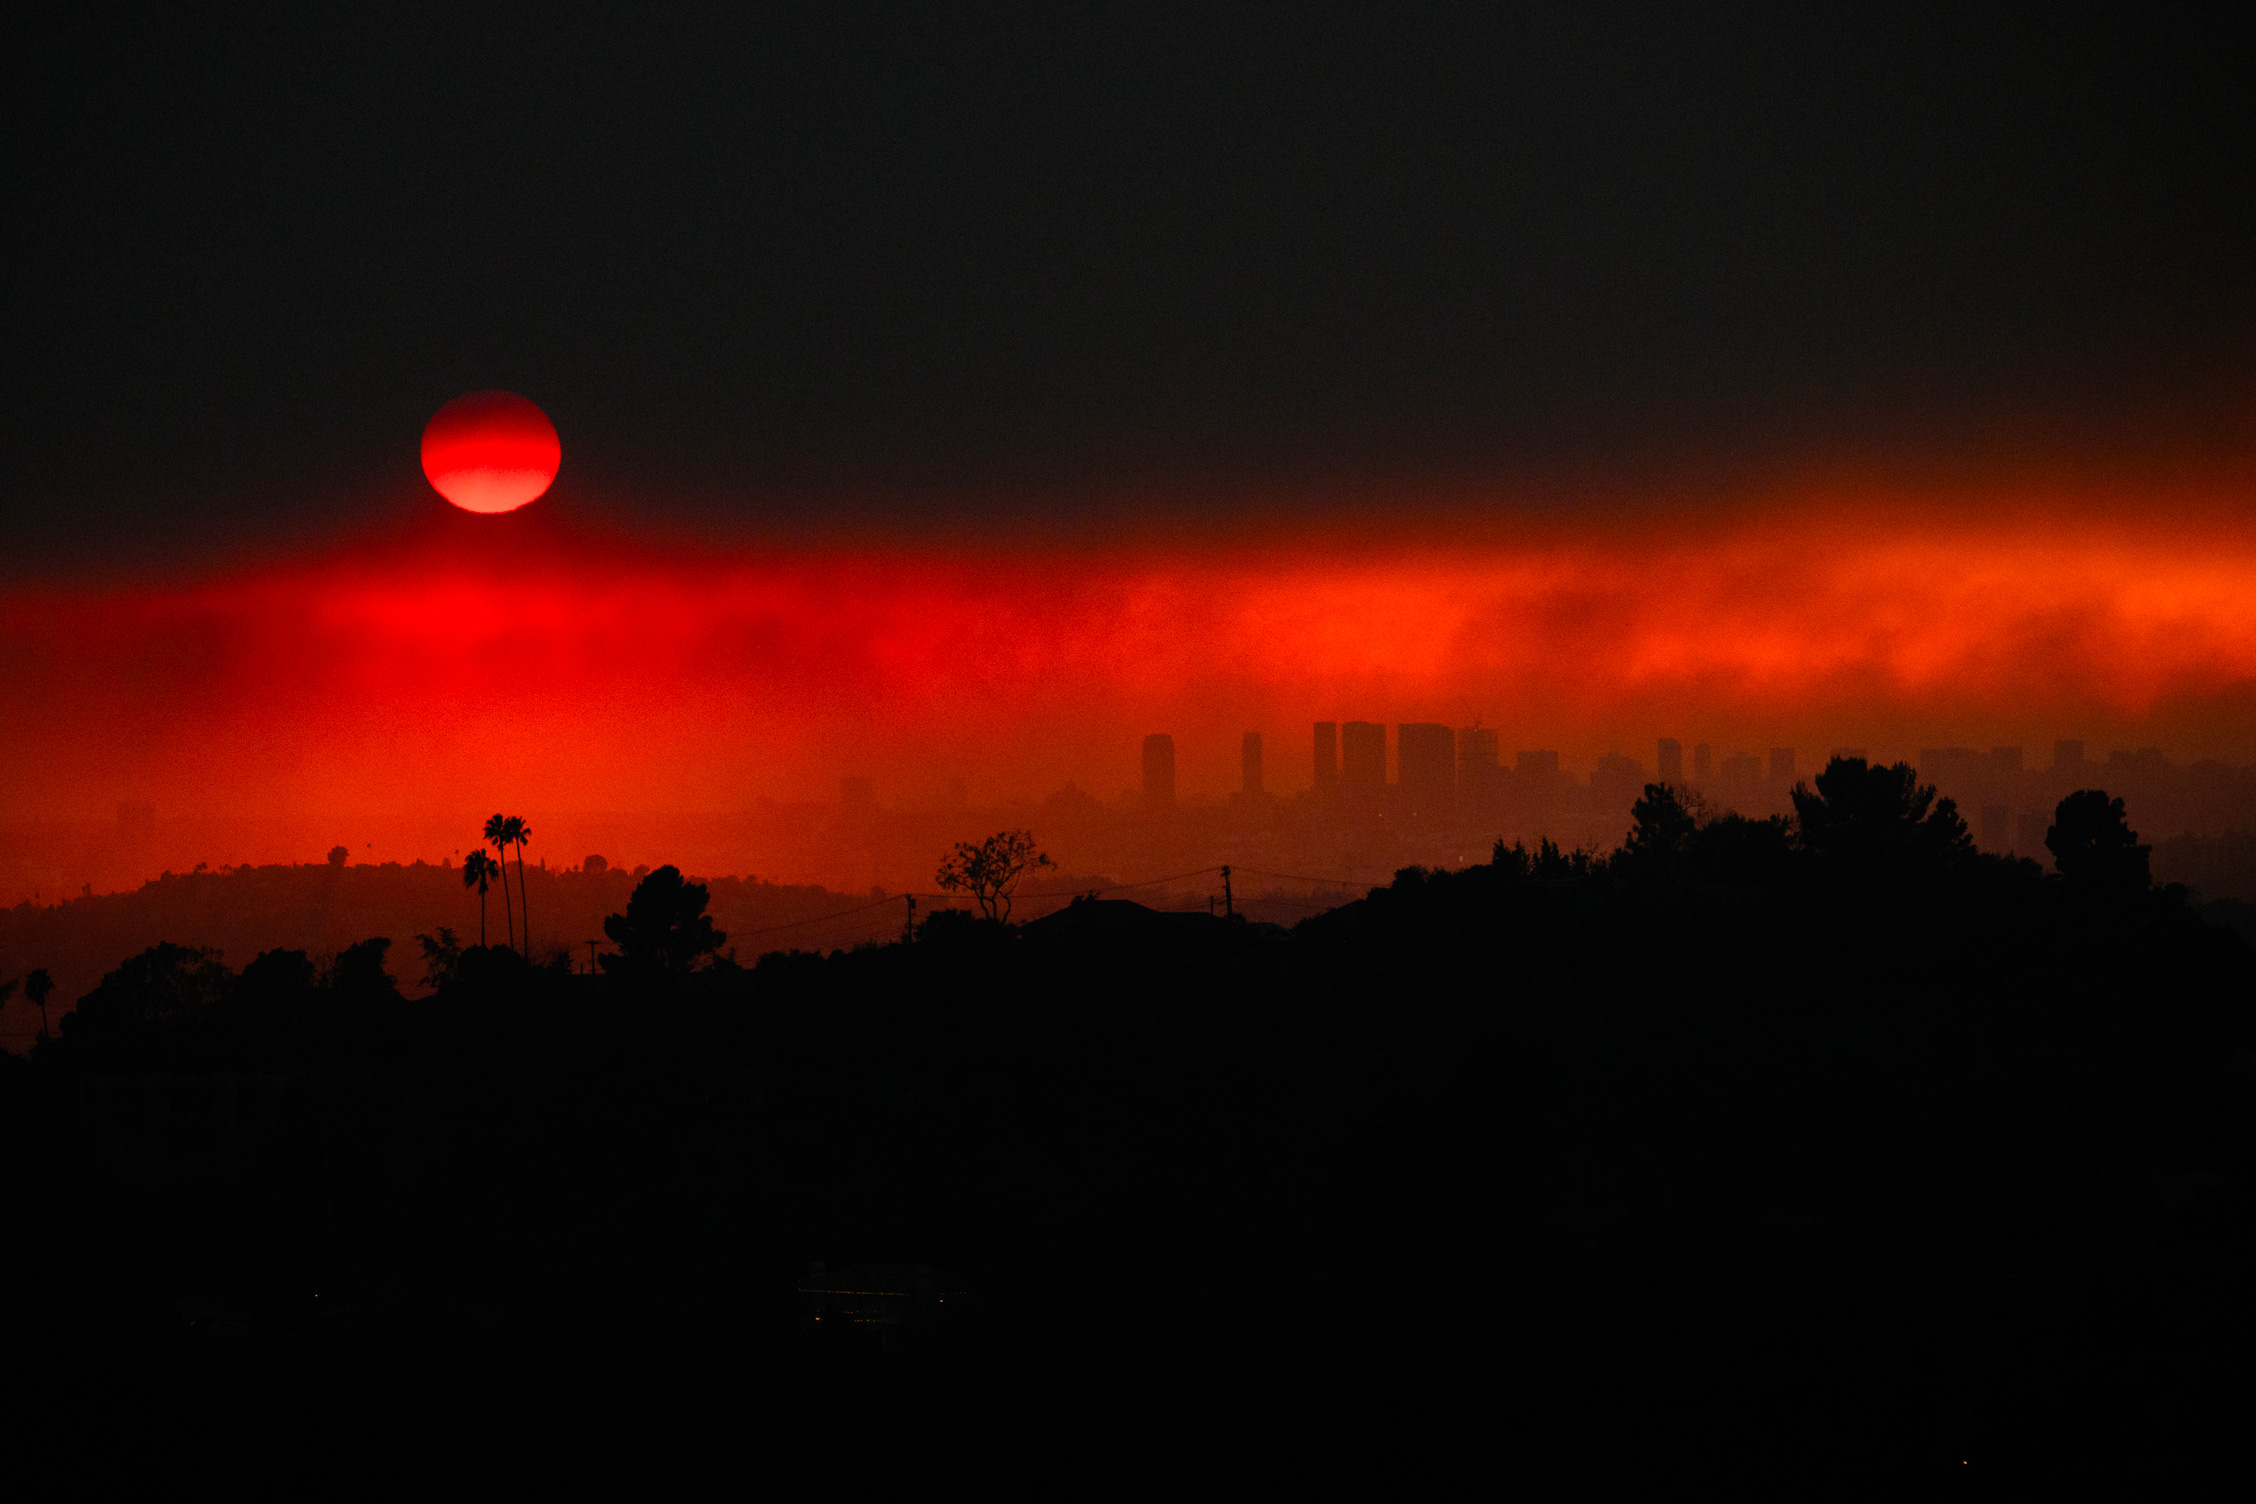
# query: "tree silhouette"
{"type": "Point", "coordinates": [1871, 821]}
{"type": "Point", "coordinates": [990, 870]}
{"type": "Point", "coordinates": [1661, 832]}
{"type": "Point", "coordinates": [338, 856]}
{"type": "Point", "coordinates": [665, 930]}
{"type": "Point", "coordinates": [1739, 851]}
{"type": "Point", "coordinates": [153, 1001]}
{"type": "Point", "coordinates": [36, 988]}
{"type": "Point", "coordinates": [477, 872]}
{"type": "Point", "coordinates": [516, 832]}
{"type": "Point", "coordinates": [358, 971]}
{"type": "Point", "coordinates": [2093, 845]}
{"type": "Point", "coordinates": [497, 837]}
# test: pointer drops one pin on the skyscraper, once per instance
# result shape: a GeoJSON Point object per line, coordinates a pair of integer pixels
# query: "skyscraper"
{"type": "Point", "coordinates": [1327, 759]}
{"type": "Point", "coordinates": [1670, 766]}
{"type": "Point", "coordinates": [1159, 771]}
{"type": "Point", "coordinates": [1477, 752]}
{"type": "Point", "coordinates": [1427, 755]}
{"type": "Point", "coordinates": [1362, 759]}
{"type": "Point", "coordinates": [2068, 757]}
{"type": "Point", "coordinates": [1249, 763]}
{"type": "Point", "coordinates": [1616, 777]}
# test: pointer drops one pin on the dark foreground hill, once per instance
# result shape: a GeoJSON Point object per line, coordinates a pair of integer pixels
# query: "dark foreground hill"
{"type": "Point", "coordinates": [1736, 1152]}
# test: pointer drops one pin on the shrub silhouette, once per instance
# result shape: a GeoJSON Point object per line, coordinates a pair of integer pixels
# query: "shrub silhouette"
{"type": "Point", "coordinates": [442, 954]}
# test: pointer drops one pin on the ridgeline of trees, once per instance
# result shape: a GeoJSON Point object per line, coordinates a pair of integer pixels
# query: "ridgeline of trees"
{"type": "Point", "coordinates": [1747, 1141]}
{"type": "Point", "coordinates": [322, 908]}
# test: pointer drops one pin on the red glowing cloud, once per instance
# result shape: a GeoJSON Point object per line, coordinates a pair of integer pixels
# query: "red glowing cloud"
{"type": "Point", "coordinates": [421, 677]}
{"type": "Point", "coordinates": [490, 451]}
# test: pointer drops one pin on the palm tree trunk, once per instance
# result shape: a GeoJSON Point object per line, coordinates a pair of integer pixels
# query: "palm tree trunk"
{"type": "Point", "coordinates": [505, 913]}
{"type": "Point", "coordinates": [524, 903]}
{"type": "Point", "coordinates": [481, 916]}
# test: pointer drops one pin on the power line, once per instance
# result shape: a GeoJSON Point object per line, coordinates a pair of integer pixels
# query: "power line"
{"type": "Point", "coordinates": [1149, 882]}
{"type": "Point", "coordinates": [792, 924]}
{"type": "Point", "coordinates": [1302, 877]}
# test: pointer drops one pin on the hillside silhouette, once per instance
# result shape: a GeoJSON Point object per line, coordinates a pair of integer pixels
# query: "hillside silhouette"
{"type": "Point", "coordinates": [322, 907]}
{"type": "Point", "coordinates": [1826, 1137]}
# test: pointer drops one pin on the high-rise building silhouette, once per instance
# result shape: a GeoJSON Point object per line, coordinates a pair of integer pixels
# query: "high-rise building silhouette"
{"type": "Point", "coordinates": [2144, 760]}
{"type": "Point", "coordinates": [1617, 777]}
{"type": "Point", "coordinates": [2068, 757]}
{"type": "Point", "coordinates": [1782, 765]}
{"type": "Point", "coordinates": [2005, 760]}
{"type": "Point", "coordinates": [1477, 770]}
{"type": "Point", "coordinates": [1427, 757]}
{"type": "Point", "coordinates": [1362, 759]}
{"type": "Point", "coordinates": [1949, 768]}
{"type": "Point", "coordinates": [1669, 766]}
{"type": "Point", "coordinates": [1249, 763]}
{"type": "Point", "coordinates": [1703, 762]}
{"type": "Point", "coordinates": [1327, 759]}
{"type": "Point", "coordinates": [1159, 771]}
{"type": "Point", "coordinates": [1541, 766]}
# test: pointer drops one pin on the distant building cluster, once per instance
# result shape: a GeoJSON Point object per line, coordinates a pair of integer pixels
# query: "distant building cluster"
{"type": "Point", "coordinates": [1376, 797]}
{"type": "Point", "coordinates": [1444, 776]}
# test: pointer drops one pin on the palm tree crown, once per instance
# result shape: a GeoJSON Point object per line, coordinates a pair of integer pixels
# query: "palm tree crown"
{"type": "Point", "coordinates": [36, 987]}
{"type": "Point", "coordinates": [499, 841]}
{"type": "Point", "coordinates": [477, 871]}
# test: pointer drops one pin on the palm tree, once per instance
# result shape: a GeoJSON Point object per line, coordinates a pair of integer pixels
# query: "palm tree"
{"type": "Point", "coordinates": [36, 987]}
{"type": "Point", "coordinates": [477, 871]}
{"type": "Point", "coordinates": [515, 831]}
{"type": "Point", "coordinates": [497, 838]}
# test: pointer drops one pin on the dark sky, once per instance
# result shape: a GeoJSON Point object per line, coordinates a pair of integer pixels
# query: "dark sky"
{"type": "Point", "coordinates": [861, 265]}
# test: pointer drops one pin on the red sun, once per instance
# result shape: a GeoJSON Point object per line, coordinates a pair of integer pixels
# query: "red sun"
{"type": "Point", "coordinates": [490, 451]}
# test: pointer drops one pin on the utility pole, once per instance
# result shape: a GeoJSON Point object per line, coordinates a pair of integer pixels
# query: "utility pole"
{"type": "Point", "coordinates": [591, 958]}
{"type": "Point", "coordinates": [1227, 911]}
{"type": "Point", "coordinates": [908, 925]}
